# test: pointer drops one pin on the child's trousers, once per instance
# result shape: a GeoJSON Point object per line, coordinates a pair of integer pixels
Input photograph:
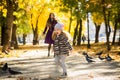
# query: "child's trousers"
{"type": "Point", "coordinates": [60, 60]}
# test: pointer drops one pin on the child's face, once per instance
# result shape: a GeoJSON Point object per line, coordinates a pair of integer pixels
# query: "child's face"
{"type": "Point", "coordinates": [58, 31]}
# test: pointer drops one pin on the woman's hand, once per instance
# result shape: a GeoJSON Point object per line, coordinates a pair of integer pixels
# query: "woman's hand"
{"type": "Point", "coordinates": [43, 33]}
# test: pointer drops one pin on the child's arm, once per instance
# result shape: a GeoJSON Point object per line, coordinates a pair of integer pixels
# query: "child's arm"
{"type": "Point", "coordinates": [65, 40]}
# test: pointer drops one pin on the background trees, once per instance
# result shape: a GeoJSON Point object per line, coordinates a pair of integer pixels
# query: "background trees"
{"type": "Point", "coordinates": [24, 17]}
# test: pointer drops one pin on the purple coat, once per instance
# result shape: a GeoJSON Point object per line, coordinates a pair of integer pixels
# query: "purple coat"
{"type": "Point", "coordinates": [49, 30]}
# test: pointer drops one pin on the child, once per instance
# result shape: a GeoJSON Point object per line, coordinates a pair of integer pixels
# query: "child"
{"type": "Point", "coordinates": [61, 47]}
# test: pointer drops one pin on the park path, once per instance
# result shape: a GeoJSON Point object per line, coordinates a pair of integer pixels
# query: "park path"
{"type": "Point", "coordinates": [35, 65]}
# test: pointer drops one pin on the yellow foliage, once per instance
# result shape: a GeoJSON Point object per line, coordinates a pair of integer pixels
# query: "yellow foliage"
{"type": "Point", "coordinates": [1, 7]}
{"type": "Point", "coordinates": [4, 12]}
{"type": "Point", "coordinates": [97, 18]}
{"type": "Point", "coordinates": [40, 9]}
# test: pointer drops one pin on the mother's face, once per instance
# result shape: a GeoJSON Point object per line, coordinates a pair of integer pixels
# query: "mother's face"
{"type": "Point", "coordinates": [52, 15]}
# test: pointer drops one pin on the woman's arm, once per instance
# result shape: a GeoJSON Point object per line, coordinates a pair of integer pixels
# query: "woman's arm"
{"type": "Point", "coordinates": [46, 27]}
{"type": "Point", "coordinates": [45, 30]}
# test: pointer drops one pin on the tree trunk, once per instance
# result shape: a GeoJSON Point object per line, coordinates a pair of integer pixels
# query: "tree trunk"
{"type": "Point", "coordinates": [119, 25]}
{"type": "Point", "coordinates": [70, 20]}
{"type": "Point", "coordinates": [114, 35]}
{"type": "Point", "coordinates": [109, 29]}
{"type": "Point", "coordinates": [2, 30]}
{"type": "Point", "coordinates": [75, 33]}
{"type": "Point", "coordinates": [88, 45]}
{"type": "Point", "coordinates": [80, 33]}
{"type": "Point", "coordinates": [14, 42]}
{"type": "Point", "coordinates": [8, 27]}
{"type": "Point", "coordinates": [35, 32]}
{"type": "Point", "coordinates": [97, 33]}
{"type": "Point", "coordinates": [2, 34]}
{"type": "Point", "coordinates": [24, 38]}
{"type": "Point", "coordinates": [119, 39]}
{"type": "Point", "coordinates": [106, 26]}
{"type": "Point", "coordinates": [35, 37]}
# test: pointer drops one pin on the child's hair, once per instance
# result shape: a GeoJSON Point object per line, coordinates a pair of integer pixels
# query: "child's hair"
{"type": "Point", "coordinates": [64, 32]}
{"type": "Point", "coordinates": [54, 35]}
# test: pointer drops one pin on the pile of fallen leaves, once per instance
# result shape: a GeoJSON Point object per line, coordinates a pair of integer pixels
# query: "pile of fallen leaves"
{"type": "Point", "coordinates": [22, 49]}
{"type": "Point", "coordinates": [94, 48]}
{"type": "Point", "coordinates": [13, 53]}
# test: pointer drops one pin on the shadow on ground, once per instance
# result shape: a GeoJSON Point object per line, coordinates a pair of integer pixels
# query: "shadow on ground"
{"type": "Point", "coordinates": [43, 68]}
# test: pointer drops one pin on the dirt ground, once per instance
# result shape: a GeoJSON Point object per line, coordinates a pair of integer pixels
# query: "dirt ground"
{"type": "Point", "coordinates": [35, 65]}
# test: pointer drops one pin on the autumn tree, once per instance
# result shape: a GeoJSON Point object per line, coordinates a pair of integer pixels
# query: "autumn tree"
{"type": "Point", "coordinates": [115, 18]}
{"type": "Point", "coordinates": [8, 26]}
{"type": "Point", "coordinates": [14, 42]}
{"type": "Point", "coordinates": [68, 6]}
{"type": "Point", "coordinates": [98, 20]}
{"type": "Point", "coordinates": [2, 19]}
{"type": "Point", "coordinates": [106, 20]}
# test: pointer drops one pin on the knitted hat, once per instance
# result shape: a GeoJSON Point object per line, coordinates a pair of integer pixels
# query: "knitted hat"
{"type": "Point", "coordinates": [59, 26]}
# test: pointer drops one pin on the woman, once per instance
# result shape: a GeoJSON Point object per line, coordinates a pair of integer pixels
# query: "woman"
{"type": "Point", "coordinates": [49, 29]}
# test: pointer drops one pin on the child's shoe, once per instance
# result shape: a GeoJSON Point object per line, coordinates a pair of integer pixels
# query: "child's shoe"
{"type": "Point", "coordinates": [64, 75]}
